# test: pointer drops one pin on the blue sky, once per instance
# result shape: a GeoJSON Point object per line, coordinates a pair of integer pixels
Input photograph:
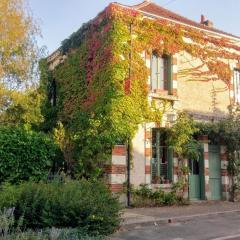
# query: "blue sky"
{"type": "Point", "coordinates": [59, 18]}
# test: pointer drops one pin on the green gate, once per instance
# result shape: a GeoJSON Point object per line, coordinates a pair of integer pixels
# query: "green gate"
{"type": "Point", "coordinates": [214, 172]}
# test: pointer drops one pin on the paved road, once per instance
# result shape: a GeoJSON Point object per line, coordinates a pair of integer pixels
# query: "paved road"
{"type": "Point", "coordinates": [218, 227]}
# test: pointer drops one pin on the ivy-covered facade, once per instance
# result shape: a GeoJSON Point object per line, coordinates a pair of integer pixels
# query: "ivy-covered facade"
{"type": "Point", "coordinates": [124, 77]}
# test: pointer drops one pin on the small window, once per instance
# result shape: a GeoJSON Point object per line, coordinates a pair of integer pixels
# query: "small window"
{"type": "Point", "coordinates": [161, 73]}
{"type": "Point", "coordinates": [236, 80]}
{"type": "Point", "coordinates": [161, 157]}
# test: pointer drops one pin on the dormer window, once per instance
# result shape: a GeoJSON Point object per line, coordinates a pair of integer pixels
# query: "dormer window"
{"type": "Point", "coordinates": [161, 73]}
{"type": "Point", "coordinates": [236, 80]}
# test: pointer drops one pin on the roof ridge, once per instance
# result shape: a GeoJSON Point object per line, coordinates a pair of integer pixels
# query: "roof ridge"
{"type": "Point", "coordinates": [179, 18]}
{"type": "Point", "coordinates": [143, 4]}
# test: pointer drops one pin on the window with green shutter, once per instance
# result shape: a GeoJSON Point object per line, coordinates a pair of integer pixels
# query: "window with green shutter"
{"type": "Point", "coordinates": [161, 73]}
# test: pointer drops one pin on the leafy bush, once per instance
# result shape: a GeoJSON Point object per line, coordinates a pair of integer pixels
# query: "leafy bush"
{"type": "Point", "coordinates": [85, 205]}
{"type": "Point", "coordinates": [52, 234]}
{"type": "Point", "coordinates": [144, 196]}
{"type": "Point", "coordinates": [25, 155]}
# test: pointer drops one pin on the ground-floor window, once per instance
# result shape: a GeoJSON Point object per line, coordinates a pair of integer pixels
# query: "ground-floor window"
{"type": "Point", "coordinates": [161, 165]}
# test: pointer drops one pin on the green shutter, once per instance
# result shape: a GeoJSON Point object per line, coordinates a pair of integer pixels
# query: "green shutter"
{"type": "Point", "coordinates": [170, 163]}
{"type": "Point", "coordinates": [170, 76]}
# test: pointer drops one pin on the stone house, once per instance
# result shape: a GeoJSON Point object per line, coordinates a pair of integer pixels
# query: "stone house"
{"type": "Point", "coordinates": [153, 163]}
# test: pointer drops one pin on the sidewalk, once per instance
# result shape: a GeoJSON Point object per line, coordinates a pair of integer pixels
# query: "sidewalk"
{"type": "Point", "coordinates": [144, 216]}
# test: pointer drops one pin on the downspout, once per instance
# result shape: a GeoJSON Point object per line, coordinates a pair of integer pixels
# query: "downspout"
{"type": "Point", "coordinates": [128, 142]}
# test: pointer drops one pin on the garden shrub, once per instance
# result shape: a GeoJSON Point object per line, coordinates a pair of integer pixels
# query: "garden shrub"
{"type": "Point", "coordinates": [89, 206]}
{"type": "Point", "coordinates": [51, 234]}
{"type": "Point", "coordinates": [144, 196]}
{"type": "Point", "coordinates": [26, 155]}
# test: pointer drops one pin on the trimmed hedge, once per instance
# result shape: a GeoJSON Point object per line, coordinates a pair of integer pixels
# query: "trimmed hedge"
{"type": "Point", "coordinates": [25, 155]}
{"type": "Point", "coordinates": [88, 206]}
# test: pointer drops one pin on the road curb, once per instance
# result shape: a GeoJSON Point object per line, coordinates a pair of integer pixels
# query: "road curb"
{"type": "Point", "coordinates": [169, 220]}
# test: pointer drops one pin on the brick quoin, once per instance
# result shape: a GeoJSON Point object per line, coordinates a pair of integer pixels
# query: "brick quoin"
{"type": "Point", "coordinates": [207, 188]}
{"type": "Point", "coordinates": [203, 138]}
{"type": "Point", "coordinates": [205, 155]}
{"type": "Point", "coordinates": [116, 188]}
{"type": "Point", "coordinates": [223, 156]}
{"type": "Point", "coordinates": [147, 152]}
{"type": "Point", "coordinates": [147, 169]}
{"type": "Point", "coordinates": [115, 169]}
{"type": "Point", "coordinates": [175, 76]}
{"type": "Point", "coordinates": [225, 187]}
{"type": "Point", "coordinates": [174, 61]}
{"type": "Point", "coordinates": [206, 171]}
{"type": "Point", "coordinates": [224, 172]}
{"type": "Point", "coordinates": [119, 151]}
{"type": "Point", "coordinates": [175, 170]}
{"type": "Point", "coordinates": [148, 135]}
{"type": "Point", "coordinates": [174, 92]}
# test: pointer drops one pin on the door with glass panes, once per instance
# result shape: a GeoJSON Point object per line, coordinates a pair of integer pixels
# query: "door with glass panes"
{"type": "Point", "coordinates": [161, 164]}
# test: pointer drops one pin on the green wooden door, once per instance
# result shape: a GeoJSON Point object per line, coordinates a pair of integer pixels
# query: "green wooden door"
{"type": "Point", "coordinates": [196, 177]}
{"type": "Point", "coordinates": [194, 180]}
{"type": "Point", "coordinates": [214, 173]}
{"type": "Point", "coordinates": [194, 187]}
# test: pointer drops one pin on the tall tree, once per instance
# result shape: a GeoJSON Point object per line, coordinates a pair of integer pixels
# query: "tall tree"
{"type": "Point", "coordinates": [18, 57]}
{"type": "Point", "coordinates": [17, 40]}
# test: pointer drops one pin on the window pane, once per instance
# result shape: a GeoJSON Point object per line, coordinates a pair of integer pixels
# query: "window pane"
{"type": "Point", "coordinates": [154, 72]}
{"type": "Point", "coordinates": [160, 157]}
{"type": "Point", "coordinates": [161, 73]}
{"type": "Point", "coordinates": [166, 72]}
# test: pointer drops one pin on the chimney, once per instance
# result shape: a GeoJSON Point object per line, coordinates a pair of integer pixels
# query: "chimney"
{"type": "Point", "coordinates": [205, 22]}
{"type": "Point", "coordinates": [202, 19]}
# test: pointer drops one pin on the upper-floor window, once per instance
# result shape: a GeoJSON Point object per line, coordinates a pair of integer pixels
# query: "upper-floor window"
{"type": "Point", "coordinates": [236, 80]}
{"type": "Point", "coordinates": [53, 93]}
{"type": "Point", "coordinates": [161, 73]}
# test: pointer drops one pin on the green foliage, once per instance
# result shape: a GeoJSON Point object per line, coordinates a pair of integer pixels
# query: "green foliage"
{"type": "Point", "coordinates": [26, 155]}
{"type": "Point", "coordinates": [88, 206]}
{"type": "Point", "coordinates": [181, 136]}
{"type": "Point", "coordinates": [92, 103]}
{"type": "Point", "coordinates": [8, 231]}
{"type": "Point", "coordinates": [23, 109]}
{"type": "Point", "coordinates": [48, 111]}
{"type": "Point", "coordinates": [6, 221]}
{"type": "Point", "coordinates": [52, 234]}
{"type": "Point", "coordinates": [144, 196]}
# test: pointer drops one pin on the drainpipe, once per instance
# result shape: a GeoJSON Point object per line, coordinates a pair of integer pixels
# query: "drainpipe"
{"type": "Point", "coordinates": [128, 142]}
{"type": "Point", "coordinates": [128, 174]}
{"type": "Point", "coordinates": [188, 186]}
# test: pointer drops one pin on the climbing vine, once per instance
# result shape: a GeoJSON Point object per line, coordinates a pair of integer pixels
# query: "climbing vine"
{"type": "Point", "coordinates": [182, 139]}
{"type": "Point", "coordinates": [102, 90]}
